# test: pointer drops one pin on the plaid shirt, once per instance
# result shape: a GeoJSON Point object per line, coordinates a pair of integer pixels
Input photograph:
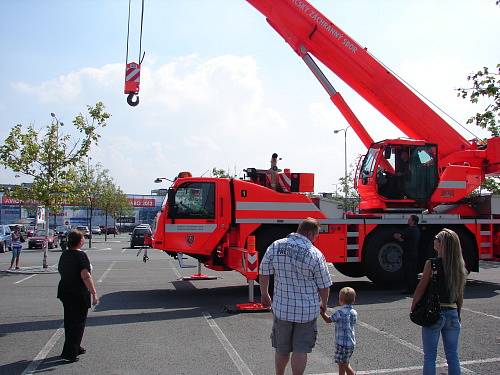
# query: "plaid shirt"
{"type": "Point", "coordinates": [345, 319]}
{"type": "Point", "coordinates": [299, 270]}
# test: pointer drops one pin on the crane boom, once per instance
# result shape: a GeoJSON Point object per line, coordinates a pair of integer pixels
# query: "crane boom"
{"type": "Point", "coordinates": [304, 28]}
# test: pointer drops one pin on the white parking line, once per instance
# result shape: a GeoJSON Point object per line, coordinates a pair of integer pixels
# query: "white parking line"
{"type": "Point", "coordinates": [43, 353]}
{"type": "Point", "coordinates": [233, 354]}
{"type": "Point", "coordinates": [177, 272]}
{"type": "Point", "coordinates": [481, 313]}
{"type": "Point", "coordinates": [405, 343]}
{"type": "Point", "coordinates": [106, 272]}
{"type": "Point", "coordinates": [413, 368]}
{"type": "Point", "coordinates": [26, 278]}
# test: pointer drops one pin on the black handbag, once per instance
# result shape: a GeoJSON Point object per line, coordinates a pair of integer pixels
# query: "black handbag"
{"type": "Point", "coordinates": [428, 309]}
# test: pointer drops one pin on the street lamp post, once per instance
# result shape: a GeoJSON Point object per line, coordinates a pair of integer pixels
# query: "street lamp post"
{"type": "Point", "coordinates": [346, 189]}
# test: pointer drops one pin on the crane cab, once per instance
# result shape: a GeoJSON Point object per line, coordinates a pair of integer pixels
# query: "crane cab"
{"type": "Point", "coordinates": [397, 174]}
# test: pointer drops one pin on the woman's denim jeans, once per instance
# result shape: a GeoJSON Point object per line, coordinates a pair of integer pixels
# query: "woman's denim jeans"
{"type": "Point", "coordinates": [449, 326]}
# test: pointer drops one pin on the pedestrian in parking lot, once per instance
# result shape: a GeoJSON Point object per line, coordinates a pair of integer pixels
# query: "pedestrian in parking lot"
{"type": "Point", "coordinates": [77, 292]}
{"type": "Point", "coordinates": [345, 339]}
{"type": "Point", "coordinates": [451, 278]}
{"type": "Point", "coordinates": [16, 247]}
{"type": "Point", "coordinates": [410, 239]}
{"type": "Point", "coordinates": [301, 288]}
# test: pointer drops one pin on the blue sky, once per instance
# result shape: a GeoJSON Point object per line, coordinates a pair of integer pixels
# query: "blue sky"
{"type": "Point", "coordinates": [220, 88]}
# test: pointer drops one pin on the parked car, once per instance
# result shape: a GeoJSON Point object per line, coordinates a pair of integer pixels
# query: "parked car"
{"type": "Point", "coordinates": [30, 231]}
{"type": "Point", "coordinates": [5, 238]}
{"type": "Point", "coordinates": [96, 229]}
{"type": "Point", "coordinates": [63, 230]}
{"type": "Point", "coordinates": [84, 229]}
{"type": "Point", "coordinates": [38, 239]}
{"type": "Point", "coordinates": [109, 230]}
{"type": "Point", "coordinates": [137, 235]}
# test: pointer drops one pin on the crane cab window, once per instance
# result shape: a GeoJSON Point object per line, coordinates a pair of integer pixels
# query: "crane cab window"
{"type": "Point", "coordinates": [193, 200]}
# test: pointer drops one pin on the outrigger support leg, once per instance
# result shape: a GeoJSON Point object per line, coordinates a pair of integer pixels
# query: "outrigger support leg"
{"type": "Point", "coordinates": [251, 305]}
{"type": "Point", "coordinates": [199, 275]}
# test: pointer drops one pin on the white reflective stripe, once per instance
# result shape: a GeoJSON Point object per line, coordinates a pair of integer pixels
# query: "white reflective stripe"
{"type": "Point", "coordinates": [484, 256]}
{"type": "Point", "coordinates": [485, 233]}
{"type": "Point", "coordinates": [132, 74]}
{"type": "Point", "coordinates": [485, 244]}
{"type": "Point", "coordinates": [258, 220]}
{"type": "Point", "coordinates": [452, 185]}
{"type": "Point", "coordinates": [488, 221]}
{"type": "Point", "coordinates": [286, 179]}
{"type": "Point", "coordinates": [353, 259]}
{"type": "Point", "coordinates": [352, 247]}
{"type": "Point", "coordinates": [199, 228]}
{"type": "Point", "coordinates": [275, 206]}
{"type": "Point", "coordinates": [352, 234]}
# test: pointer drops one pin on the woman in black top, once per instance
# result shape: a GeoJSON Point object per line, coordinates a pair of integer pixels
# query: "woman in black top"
{"type": "Point", "coordinates": [451, 278]}
{"type": "Point", "coordinates": [77, 292]}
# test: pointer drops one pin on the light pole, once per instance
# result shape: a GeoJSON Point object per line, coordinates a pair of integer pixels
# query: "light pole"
{"type": "Point", "coordinates": [346, 188]}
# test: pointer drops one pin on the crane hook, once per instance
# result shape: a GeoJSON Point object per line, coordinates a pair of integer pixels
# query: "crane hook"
{"type": "Point", "coordinates": [130, 99]}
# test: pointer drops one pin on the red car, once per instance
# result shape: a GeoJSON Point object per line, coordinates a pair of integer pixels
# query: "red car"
{"type": "Point", "coordinates": [39, 237]}
{"type": "Point", "coordinates": [109, 230]}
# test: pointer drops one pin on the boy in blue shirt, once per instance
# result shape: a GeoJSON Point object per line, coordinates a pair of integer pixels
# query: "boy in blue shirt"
{"type": "Point", "coordinates": [345, 319]}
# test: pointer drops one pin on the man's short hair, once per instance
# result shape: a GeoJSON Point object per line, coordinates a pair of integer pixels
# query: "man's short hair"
{"type": "Point", "coordinates": [308, 227]}
{"type": "Point", "coordinates": [74, 238]}
{"type": "Point", "coordinates": [415, 219]}
{"type": "Point", "coordinates": [348, 295]}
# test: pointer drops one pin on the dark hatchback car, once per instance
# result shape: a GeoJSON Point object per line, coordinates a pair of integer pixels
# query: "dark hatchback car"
{"type": "Point", "coordinates": [137, 236]}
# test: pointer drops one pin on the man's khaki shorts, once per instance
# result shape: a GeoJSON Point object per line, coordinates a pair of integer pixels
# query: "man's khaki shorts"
{"type": "Point", "coordinates": [293, 337]}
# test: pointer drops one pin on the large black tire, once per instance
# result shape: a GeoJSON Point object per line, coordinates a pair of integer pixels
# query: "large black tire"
{"type": "Point", "coordinates": [265, 236]}
{"type": "Point", "coordinates": [383, 257]}
{"type": "Point", "coordinates": [351, 269]}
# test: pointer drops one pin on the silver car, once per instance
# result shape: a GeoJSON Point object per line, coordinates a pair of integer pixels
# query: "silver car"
{"type": "Point", "coordinates": [5, 238]}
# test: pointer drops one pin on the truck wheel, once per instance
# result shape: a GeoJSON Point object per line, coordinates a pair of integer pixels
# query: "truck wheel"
{"type": "Point", "coordinates": [350, 269]}
{"type": "Point", "coordinates": [383, 257]}
{"type": "Point", "coordinates": [469, 250]}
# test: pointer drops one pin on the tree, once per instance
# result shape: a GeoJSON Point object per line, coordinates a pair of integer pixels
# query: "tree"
{"type": "Point", "coordinates": [113, 201]}
{"type": "Point", "coordinates": [91, 180]}
{"type": "Point", "coordinates": [350, 201]}
{"type": "Point", "coordinates": [50, 158]}
{"type": "Point", "coordinates": [220, 173]}
{"type": "Point", "coordinates": [486, 90]}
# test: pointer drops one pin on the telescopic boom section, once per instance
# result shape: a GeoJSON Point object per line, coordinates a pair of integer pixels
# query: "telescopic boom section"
{"type": "Point", "coordinates": [306, 29]}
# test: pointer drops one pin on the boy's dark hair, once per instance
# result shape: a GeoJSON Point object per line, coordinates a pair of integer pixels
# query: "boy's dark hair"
{"type": "Point", "coordinates": [74, 238]}
{"type": "Point", "coordinates": [275, 155]}
{"type": "Point", "coordinates": [415, 219]}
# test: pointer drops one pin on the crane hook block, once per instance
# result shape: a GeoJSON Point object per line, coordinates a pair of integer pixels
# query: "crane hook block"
{"type": "Point", "coordinates": [130, 99]}
{"type": "Point", "coordinates": [132, 80]}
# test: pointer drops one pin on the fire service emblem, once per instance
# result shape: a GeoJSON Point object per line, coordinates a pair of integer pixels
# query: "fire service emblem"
{"type": "Point", "coordinates": [190, 239]}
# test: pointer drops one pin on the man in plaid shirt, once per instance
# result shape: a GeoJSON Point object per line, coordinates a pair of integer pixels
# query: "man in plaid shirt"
{"type": "Point", "coordinates": [301, 288]}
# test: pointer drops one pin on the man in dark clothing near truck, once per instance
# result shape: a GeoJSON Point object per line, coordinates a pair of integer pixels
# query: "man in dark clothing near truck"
{"type": "Point", "coordinates": [410, 239]}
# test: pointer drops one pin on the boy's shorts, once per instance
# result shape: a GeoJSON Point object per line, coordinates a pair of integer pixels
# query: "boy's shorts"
{"type": "Point", "coordinates": [288, 337]}
{"type": "Point", "coordinates": [343, 353]}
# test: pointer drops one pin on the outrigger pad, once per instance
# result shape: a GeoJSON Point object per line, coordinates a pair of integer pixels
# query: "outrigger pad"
{"type": "Point", "coordinates": [199, 276]}
{"type": "Point", "coordinates": [249, 307]}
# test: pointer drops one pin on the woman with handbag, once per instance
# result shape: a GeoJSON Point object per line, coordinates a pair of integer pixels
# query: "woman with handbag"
{"type": "Point", "coordinates": [451, 278]}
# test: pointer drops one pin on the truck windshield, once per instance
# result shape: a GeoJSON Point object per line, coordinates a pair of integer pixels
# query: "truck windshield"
{"type": "Point", "coordinates": [194, 199]}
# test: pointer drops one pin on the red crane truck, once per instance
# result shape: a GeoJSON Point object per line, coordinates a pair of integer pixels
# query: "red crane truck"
{"type": "Point", "coordinates": [227, 224]}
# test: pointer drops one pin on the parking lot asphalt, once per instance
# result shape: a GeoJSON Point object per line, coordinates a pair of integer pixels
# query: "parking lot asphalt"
{"type": "Point", "coordinates": [151, 322]}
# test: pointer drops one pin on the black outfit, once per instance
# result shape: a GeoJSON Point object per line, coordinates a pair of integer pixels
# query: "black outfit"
{"type": "Point", "coordinates": [444, 292]}
{"type": "Point", "coordinates": [411, 238]}
{"type": "Point", "coordinates": [75, 298]}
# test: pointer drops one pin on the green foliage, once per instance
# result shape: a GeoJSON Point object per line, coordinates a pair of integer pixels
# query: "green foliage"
{"type": "Point", "coordinates": [51, 158]}
{"type": "Point", "coordinates": [220, 173]}
{"type": "Point", "coordinates": [485, 87]}
{"type": "Point", "coordinates": [347, 193]}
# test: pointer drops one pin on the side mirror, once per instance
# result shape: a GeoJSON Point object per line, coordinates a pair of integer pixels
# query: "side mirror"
{"type": "Point", "coordinates": [387, 153]}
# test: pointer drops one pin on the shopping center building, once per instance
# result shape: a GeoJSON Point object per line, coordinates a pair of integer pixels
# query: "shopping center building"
{"type": "Point", "coordinates": [145, 208]}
